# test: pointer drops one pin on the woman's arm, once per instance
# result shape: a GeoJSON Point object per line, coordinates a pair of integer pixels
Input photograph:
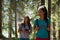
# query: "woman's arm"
{"type": "Point", "coordinates": [30, 31]}
{"type": "Point", "coordinates": [48, 28]}
{"type": "Point", "coordinates": [19, 28]}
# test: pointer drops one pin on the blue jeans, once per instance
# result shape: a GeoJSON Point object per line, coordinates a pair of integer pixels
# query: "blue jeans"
{"type": "Point", "coordinates": [24, 39]}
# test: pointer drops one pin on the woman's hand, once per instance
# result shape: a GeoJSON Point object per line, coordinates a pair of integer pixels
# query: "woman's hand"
{"type": "Point", "coordinates": [36, 28]}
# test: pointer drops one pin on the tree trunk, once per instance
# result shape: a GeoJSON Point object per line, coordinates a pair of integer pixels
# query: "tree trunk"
{"type": "Point", "coordinates": [13, 6]}
{"type": "Point", "coordinates": [42, 2]}
{"type": "Point", "coordinates": [10, 22]}
{"type": "Point", "coordinates": [59, 17]}
{"type": "Point", "coordinates": [49, 8]}
{"type": "Point", "coordinates": [59, 33]}
{"type": "Point", "coordinates": [54, 32]}
{"type": "Point", "coordinates": [15, 20]}
{"type": "Point", "coordinates": [0, 18]}
{"type": "Point", "coordinates": [49, 12]}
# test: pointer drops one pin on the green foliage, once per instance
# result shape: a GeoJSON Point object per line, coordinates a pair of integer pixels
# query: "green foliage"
{"type": "Point", "coordinates": [26, 7]}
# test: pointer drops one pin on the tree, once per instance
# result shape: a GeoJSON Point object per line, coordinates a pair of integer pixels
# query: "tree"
{"type": "Point", "coordinates": [42, 2]}
{"type": "Point", "coordinates": [58, 3]}
{"type": "Point", "coordinates": [0, 18]}
{"type": "Point", "coordinates": [10, 23]}
{"type": "Point", "coordinates": [49, 8]}
{"type": "Point", "coordinates": [12, 7]}
{"type": "Point", "coordinates": [15, 20]}
{"type": "Point", "coordinates": [49, 12]}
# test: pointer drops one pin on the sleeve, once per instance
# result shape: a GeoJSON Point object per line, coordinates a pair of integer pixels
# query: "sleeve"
{"type": "Point", "coordinates": [21, 27]}
{"type": "Point", "coordinates": [30, 27]}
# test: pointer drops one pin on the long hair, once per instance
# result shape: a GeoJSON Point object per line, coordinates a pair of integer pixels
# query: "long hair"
{"type": "Point", "coordinates": [27, 22]}
{"type": "Point", "coordinates": [43, 8]}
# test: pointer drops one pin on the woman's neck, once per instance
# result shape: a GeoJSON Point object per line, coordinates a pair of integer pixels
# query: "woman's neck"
{"type": "Point", "coordinates": [42, 18]}
{"type": "Point", "coordinates": [26, 23]}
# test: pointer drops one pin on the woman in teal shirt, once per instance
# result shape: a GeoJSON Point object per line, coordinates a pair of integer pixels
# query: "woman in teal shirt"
{"type": "Point", "coordinates": [42, 24]}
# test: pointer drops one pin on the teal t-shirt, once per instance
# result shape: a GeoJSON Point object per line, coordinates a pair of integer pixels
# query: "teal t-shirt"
{"type": "Point", "coordinates": [42, 32]}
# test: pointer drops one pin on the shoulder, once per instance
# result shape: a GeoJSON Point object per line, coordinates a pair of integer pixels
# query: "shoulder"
{"type": "Point", "coordinates": [36, 20]}
{"type": "Point", "coordinates": [22, 24]}
{"type": "Point", "coordinates": [48, 20]}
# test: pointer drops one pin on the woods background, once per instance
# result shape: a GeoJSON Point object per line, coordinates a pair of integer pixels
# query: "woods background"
{"type": "Point", "coordinates": [12, 12]}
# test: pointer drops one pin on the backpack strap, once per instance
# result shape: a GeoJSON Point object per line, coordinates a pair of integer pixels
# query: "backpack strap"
{"type": "Point", "coordinates": [37, 22]}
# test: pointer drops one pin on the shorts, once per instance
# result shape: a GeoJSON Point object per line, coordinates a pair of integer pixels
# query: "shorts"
{"type": "Point", "coordinates": [24, 39]}
{"type": "Point", "coordinates": [41, 39]}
